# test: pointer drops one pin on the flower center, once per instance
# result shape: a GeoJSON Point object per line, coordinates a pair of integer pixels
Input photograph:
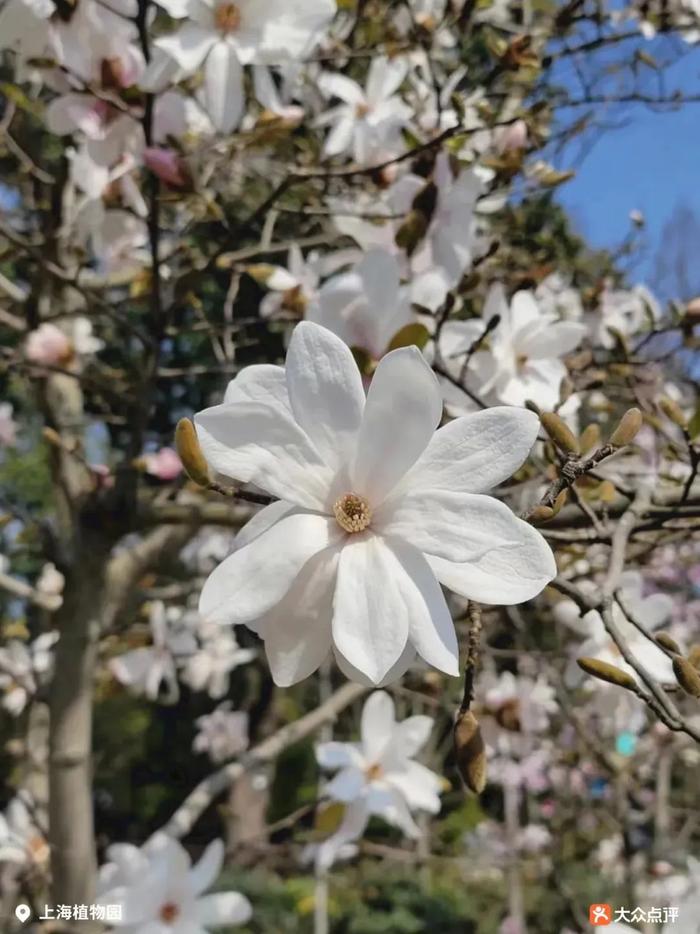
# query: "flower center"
{"type": "Point", "coordinates": [508, 715]}
{"type": "Point", "coordinates": [294, 300]}
{"type": "Point", "coordinates": [374, 772]}
{"type": "Point", "coordinates": [227, 18]}
{"type": "Point", "coordinates": [169, 912]}
{"type": "Point", "coordinates": [362, 109]}
{"type": "Point", "coordinates": [352, 512]}
{"type": "Point", "coordinates": [521, 360]}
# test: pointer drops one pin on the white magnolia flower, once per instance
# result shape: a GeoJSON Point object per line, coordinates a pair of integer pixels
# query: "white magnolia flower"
{"type": "Point", "coordinates": [627, 311]}
{"type": "Point", "coordinates": [222, 734]}
{"type": "Point", "coordinates": [447, 250]}
{"type": "Point", "coordinates": [278, 102]}
{"type": "Point", "coordinates": [368, 122]}
{"type": "Point", "coordinates": [366, 306]}
{"type": "Point", "coordinates": [556, 296]}
{"type": "Point", "coordinates": [25, 26]}
{"type": "Point", "coordinates": [377, 777]}
{"type": "Point", "coordinates": [209, 667]}
{"type": "Point", "coordinates": [652, 611]}
{"type": "Point", "coordinates": [160, 892]}
{"type": "Point", "coordinates": [520, 702]}
{"type": "Point", "coordinates": [95, 33]}
{"type": "Point", "coordinates": [23, 668]}
{"type": "Point", "coordinates": [375, 508]}
{"type": "Point", "coordinates": [21, 842]}
{"type": "Point", "coordinates": [523, 360]}
{"type": "Point", "coordinates": [225, 36]}
{"type": "Point", "coordinates": [293, 288]}
{"type": "Point", "coordinates": [146, 669]}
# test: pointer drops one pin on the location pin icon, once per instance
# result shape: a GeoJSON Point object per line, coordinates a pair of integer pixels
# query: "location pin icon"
{"type": "Point", "coordinates": [23, 912]}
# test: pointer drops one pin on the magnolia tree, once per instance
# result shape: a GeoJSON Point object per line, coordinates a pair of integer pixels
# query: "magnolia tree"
{"type": "Point", "coordinates": [320, 423]}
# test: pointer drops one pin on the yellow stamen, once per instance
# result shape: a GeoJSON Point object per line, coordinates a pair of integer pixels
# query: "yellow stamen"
{"type": "Point", "coordinates": [227, 18]}
{"type": "Point", "coordinates": [352, 512]}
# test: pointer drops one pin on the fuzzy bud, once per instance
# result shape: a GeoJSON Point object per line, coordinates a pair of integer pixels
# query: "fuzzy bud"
{"type": "Point", "coordinates": [541, 513]}
{"type": "Point", "coordinates": [560, 502]}
{"type": "Point", "coordinates": [627, 429]}
{"type": "Point", "coordinates": [673, 411]}
{"type": "Point", "coordinates": [559, 432]}
{"type": "Point", "coordinates": [606, 672]}
{"type": "Point", "coordinates": [470, 751]}
{"type": "Point", "coordinates": [667, 642]}
{"type": "Point", "coordinates": [694, 655]}
{"type": "Point", "coordinates": [190, 453]}
{"type": "Point", "coordinates": [687, 675]}
{"type": "Point", "coordinates": [590, 438]}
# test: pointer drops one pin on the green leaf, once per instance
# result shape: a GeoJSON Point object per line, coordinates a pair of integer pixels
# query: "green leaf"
{"type": "Point", "coordinates": [410, 335]}
{"type": "Point", "coordinates": [694, 424]}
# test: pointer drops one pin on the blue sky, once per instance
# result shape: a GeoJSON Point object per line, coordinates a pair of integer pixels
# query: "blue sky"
{"type": "Point", "coordinates": [651, 164]}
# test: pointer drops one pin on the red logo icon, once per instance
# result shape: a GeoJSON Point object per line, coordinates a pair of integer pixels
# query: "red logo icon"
{"type": "Point", "coordinates": [600, 914]}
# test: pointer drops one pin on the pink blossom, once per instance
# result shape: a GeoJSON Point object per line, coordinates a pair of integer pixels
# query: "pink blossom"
{"type": "Point", "coordinates": [47, 345]}
{"type": "Point", "coordinates": [167, 165]}
{"type": "Point", "coordinates": [7, 425]}
{"type": "Point", "coordinates": [164, 464]}
{"type": "Point", "coordinates": [512, 137]}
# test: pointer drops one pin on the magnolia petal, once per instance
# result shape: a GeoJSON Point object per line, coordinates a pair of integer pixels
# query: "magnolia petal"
{"type": "Point", "coordinates": [222, 909]}
{"type": "Point", "coordinates": [297, 631]}
{"type": "Point", "coordinates": [334, 755]}
{"type": "Point", "coordinates": [412, 734]}
{"type": "Point", "coordinates": [418, 785]}
{"type": "Point", "coordinates": [394, 674]}
{"type": "Point", "coordinates": [517, 568]}
{"type": "Point", "coordinates": [345, 89]}
{"type": "Point", "coordinates": [259, 382]}
{"type": "Point", "coordinates": [377, 725]}
{"type": "Point", "coordinates": [388, 803]}
{"type": "Point", "coordinates": [262, 521]}
{"type": "Point", "coordinates": [251, 442]}
{"type": "Point", "coordinates": [352, 827]}
{"type": "Point", "coordinates": [206, 871]}
{"type": "Point", "coordinates": [404, 403]}
{"type": "Point", "coordinates": [325, 391]}
{"type": "Point", "coordinates": [456, 526]}
{"type": "Point", "coordinates": [347, 784]}
{"type": "Point", "coordinates": [251, 581]}
{"type": "Point", "coordinates": [188, 46]}
{"type": "Point", "coordinates": [430, 628]}
{"type": "Point", "coordinates": [223, 87]}
{"type": "Point", "coordinates": [340, 137]}
{"type": "Point", "coordinates": [370, 614]}
{"type": "Point", "coordinates": [476, 452]}
{"type": "Point", "coordinates": [554, 340]}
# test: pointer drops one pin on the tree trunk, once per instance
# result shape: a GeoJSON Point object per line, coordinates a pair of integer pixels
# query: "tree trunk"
{"type": "Point", "coordinates": [71, 831]}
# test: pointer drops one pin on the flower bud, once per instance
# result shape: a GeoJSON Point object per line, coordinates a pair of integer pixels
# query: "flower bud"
{"type": "Point", "coordinates": [559, 432]}
{"type": "Point", "coordinates": [470, 751]}
{"type": "Point", "coordinates": [327, 819]}
{"type": "Point", "coordinates": [412, 231]}
{"type": "Point", "coordinates": [627, 429]}
{"type": "Point", "coordinates": [667, 642]}
{"type": "Point", "coordinates": [687, 675]}
{"type": "Point", "coordinates": [694, 655]}
{"type": "Point", "coordinates": [673, 411]}
{"type": "Point", "coordinates": [560, 502]}
{"type": "Point", "coordinates": [590, 438]}
{"type": "Point", "coordinates": [541, 513]}
{"type": "Point", "coordinates": [190, 453]}
{"type": "Point", "coordinates": [606, 672]}
{"type": "Point", "coordinates": [425, 201]}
